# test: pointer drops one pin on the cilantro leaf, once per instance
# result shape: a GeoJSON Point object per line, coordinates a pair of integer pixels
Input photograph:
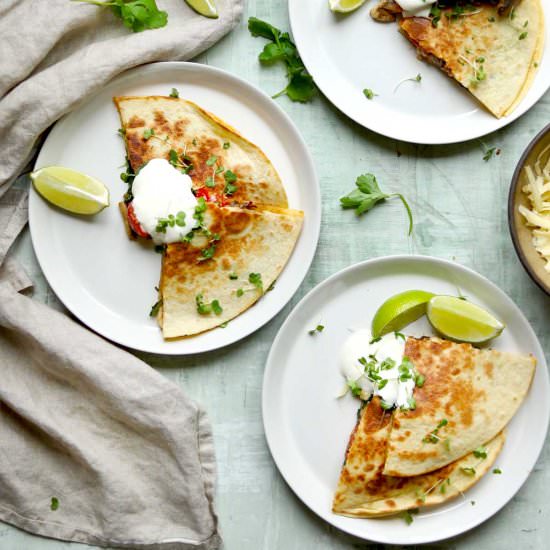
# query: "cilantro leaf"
{"type": "Point", "coordinates": [54, 504]}
{"type": "Point", "coordinates": [300, 85]}
{"type": "Point", "coordinates": [301, 88]}
{"type": "Point", "coordinates": [368, 194]}
{"type": "Point", "coordinates": [174, 93]}
{"type": "Point", "coordinates": [137, 15]}
{"type": "Point", "coordinates": [256, 280]}
{"type": "Point", "coordinates": [318, 328]}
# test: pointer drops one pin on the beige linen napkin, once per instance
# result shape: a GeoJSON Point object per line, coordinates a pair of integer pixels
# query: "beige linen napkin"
{"type": "Point", "coordinates": [95, 446]}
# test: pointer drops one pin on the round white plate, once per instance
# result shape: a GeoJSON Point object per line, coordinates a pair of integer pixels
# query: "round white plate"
{"type": "Point", "coordinates": [108, 281]}
{"type": "Point", "coordinates": [308, 428]}
{"type": "Point", "coordinates": [347, 53]}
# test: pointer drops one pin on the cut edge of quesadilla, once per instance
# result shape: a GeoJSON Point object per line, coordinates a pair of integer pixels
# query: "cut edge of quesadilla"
{"type": "Point", "coordinates": [365, 492]}
{"type": "Point", "coordinates": [253, 242]}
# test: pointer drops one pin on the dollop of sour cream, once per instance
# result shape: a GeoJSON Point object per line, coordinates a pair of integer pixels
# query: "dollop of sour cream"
{"type": "Point", "coordinates": [379, 367]}
{"type": "Point", "coordinates": [160, 190]}
{"type": "Point", "coordinates": [416, 8]}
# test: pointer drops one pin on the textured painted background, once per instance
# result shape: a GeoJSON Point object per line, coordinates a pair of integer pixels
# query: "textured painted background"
{"type": "Point", "coordinates": [460, 206]}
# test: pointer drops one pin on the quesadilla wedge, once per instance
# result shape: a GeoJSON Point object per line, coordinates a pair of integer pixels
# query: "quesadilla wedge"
{"type": "Point", "coordinates": [364, 491]}
{"type": "Point", "coordinates": [200, 143]}
{"type": "Point", "coordinates": [468, 397]}
{"type": "Point", "coordinates": [493, 54]}
{"type": "Point", "coordinates": [246, 249]}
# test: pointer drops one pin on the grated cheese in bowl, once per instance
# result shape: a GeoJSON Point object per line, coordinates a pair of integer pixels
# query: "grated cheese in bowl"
{"type": "Point", "coordinates": [537, 190]}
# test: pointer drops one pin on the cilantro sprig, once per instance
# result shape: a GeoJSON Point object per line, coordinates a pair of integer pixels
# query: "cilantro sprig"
{"type": "Point", "coordinates": [368, 195]}
{"type": "Point", "coordinates": [137, 15]}
{"type": "Point", "coordinates": [300, 85]}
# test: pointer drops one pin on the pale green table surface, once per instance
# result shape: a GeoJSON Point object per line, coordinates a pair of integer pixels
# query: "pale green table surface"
{"type": "Point", "coordinates": [459, 202]}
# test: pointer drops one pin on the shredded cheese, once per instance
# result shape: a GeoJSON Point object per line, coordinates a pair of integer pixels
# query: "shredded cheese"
{"type": "Point", "coordinates": [537, 190]}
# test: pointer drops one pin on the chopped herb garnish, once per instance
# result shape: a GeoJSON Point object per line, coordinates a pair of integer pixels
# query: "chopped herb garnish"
{"type": "Point", "coordinates": [223, 325]}
{"type": "Point", "coordinates": [226, 145]}
{"type": "Point", "coordinates": [212, 160]}
{"type": "Point", "coordinates": [491, 19]}
{"type": "Point", "coordinates": [384, 405]}
{"type": "Point", "coordinates": [233, 276]}
{"type": "Point", "coordinates": [209, 182]}
{"type": "Point", "coordinates": [387, 364]}
{"type": "Point", "coordinates": [407, 515]}
{"type": "Point", "coordinates": [240, 292]}
{"type": "Point", "coordinates": [122, 132]}
{"type": "Point", "coordinates": [219, 170]}
{"type": "Point", "coordinates": [54, 504]}
{"type": "Point", "coordinates": [200, 209]}
{"type": "Point", "coordinates": [159, 248]}
{"type": "Point", "coordinates": [148, 133]}
{"type": "Point", "coordinates": [256, 280]}
{"type": "Point", "coordinates": [355, 389]}
{"type": "Point", "coordinates": [432, 437]}
{"type": "Point", "coordinates": [280, 47]}
{"type": "Point", "coordinates": [209, 252]}
{"type": "Point", "coordinates": [173, 157]}
{"type": "Point", "coordinates": [229, 189]}
{"type": "Point", "coordinates": [469, 471]}
{"type": "Point", "coordinates": [472, 502]}
{"type": "Point", "coordinates": [480, 452]}
{"type": "Point", "coordinates": [155, 309]}
{"type": "Point", "coordinates": [368, 93]}
{"type": "Point", "coordinates": [206, 309]}
{"type": "Point", "coordinates": [489, 152]}
{"type": "Point", "coordinates": [137, 15]}
{"type": "Point", "coordinates": [318, 328]}
{"type": "Point", "coordinates": [497, 471]}
{"type": "Point", "coordinates": [417, 78]}
{"type": "Point", "coordinates": [419, 380]}
{"type": "Point", "coordinates": [368, 194]}
{"type": "Point", "coordinates": [174, 93]}
{"type": "Point", "coordinates": [523, 35]}
{"type": "Point", "coordinates": [271, 287]}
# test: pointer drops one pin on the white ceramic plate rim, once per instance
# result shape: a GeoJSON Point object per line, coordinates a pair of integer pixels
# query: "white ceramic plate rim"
{"type": "Point", "coordinates": [406, 127]}
{"type": "Point", "coordinates": [251, 320]}
{"type": "Point", "coordinates": [272, 415]}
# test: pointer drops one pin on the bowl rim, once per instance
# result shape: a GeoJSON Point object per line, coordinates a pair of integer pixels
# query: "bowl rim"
{"type": "Point", "coordinates": [511, 203]}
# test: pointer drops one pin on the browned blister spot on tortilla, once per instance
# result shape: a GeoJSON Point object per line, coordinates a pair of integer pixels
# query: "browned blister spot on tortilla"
{"type": "Point", "coordinates": [390, 503]}
{"type": "Point", "coordinates": [488, 368]}
{"type": "Point", "coordinates": [138, 149]}
{"type": "Point", "coordinates": [135, 122]}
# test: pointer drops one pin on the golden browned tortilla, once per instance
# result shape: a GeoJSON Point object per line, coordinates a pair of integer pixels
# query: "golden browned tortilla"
{"type": "Point", "coordinates": [473, 392]}
{"type": "Point", "coordinates": [491, 52]}
{"type": "Point", "coordinates": [246, 236]}
{"type": "Point", "coordinates": [250, 241]}
{"type": "Point", "coordinates": [363, 489]}
{"type": "Point", "coordinates": [189, 130]}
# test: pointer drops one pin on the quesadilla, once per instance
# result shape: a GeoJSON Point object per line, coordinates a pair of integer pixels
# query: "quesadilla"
{"type": "Point", "coordinates": [200, 143]}
{"type": "Point", "coordinates": [213, 203]}
{"type": "Point", "coordinates": [250, 249]}
{"type": "Point", "coordinates": [363, 489]}
{"type": "Point", "coordinates": [491, 48]}
{"type": "Point", "coordinates": [468, 397]}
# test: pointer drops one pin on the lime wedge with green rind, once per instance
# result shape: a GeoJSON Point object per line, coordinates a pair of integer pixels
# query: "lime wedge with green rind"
{"type": "Point", "coordinates": [70, 190]}
{"type": "Point", "coordinates": [204, 7]}
{"type": "Point", "coordinates": [399, 311]}
{"type": "Point", "coordinates": [462, 321]}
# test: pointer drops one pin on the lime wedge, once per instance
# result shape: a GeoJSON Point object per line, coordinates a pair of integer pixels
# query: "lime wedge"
{"type": "Point", "coordinates": [345, 6]}
{"type": "Point", "coordinates": [204, 7]}
{"type": "Point", "coordinates": [399, 311]}
{"type": "Point", "coordinates": [71, 190]}
{"type": "Point", "coordinates": [460, 320]}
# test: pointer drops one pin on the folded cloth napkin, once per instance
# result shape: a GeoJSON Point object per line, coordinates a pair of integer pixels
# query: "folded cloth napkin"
{"type": "Point", "coordinates": [95, 446]}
